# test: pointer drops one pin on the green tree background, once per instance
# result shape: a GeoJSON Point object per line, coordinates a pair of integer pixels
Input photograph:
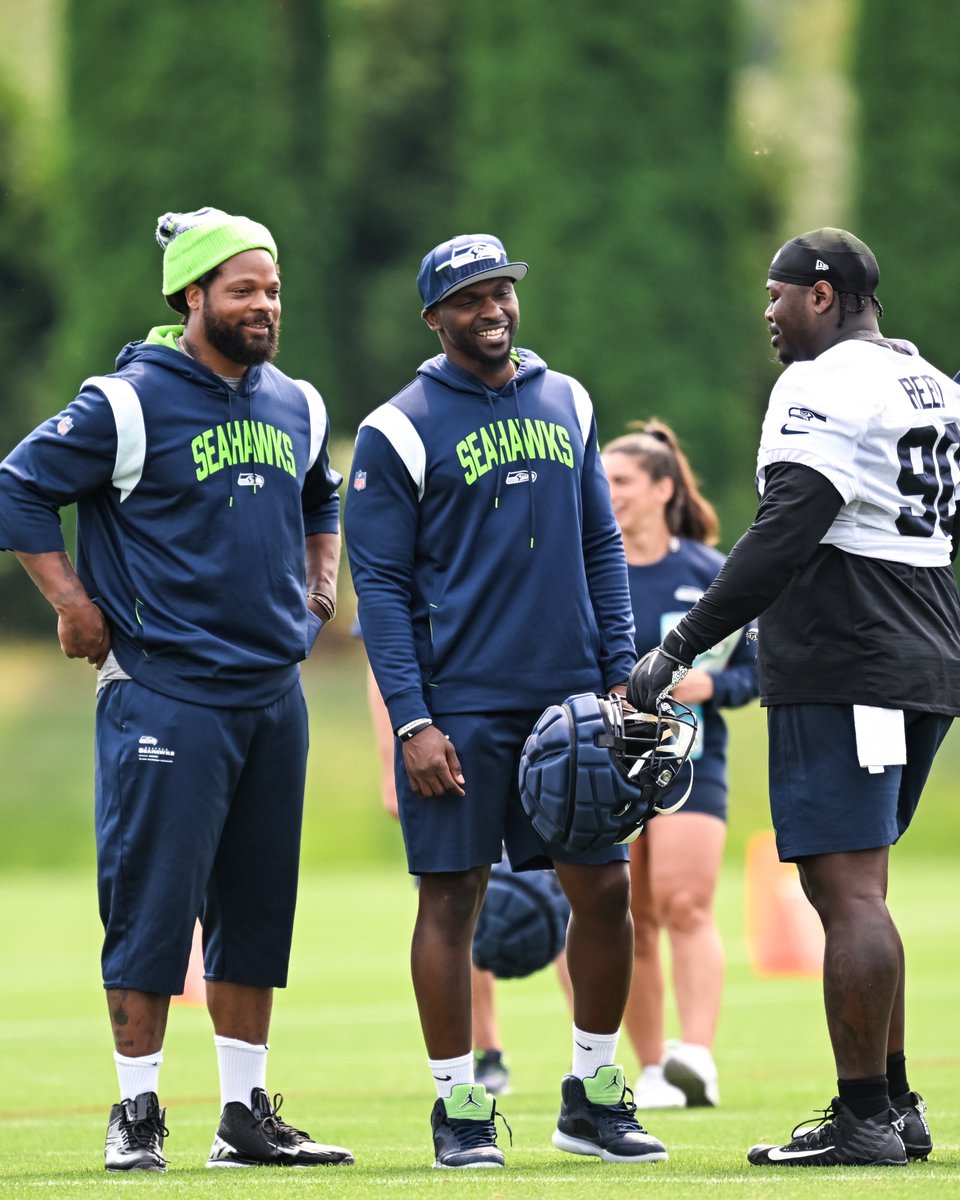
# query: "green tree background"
{"type": "Point", "coordinates": [616, 178]}
{"type": "Point", "coordinates": [646, 160]}
{"type": "Point", "coordinates": [908, 184]}
{"type": "Point", "coordinates": [214, 103]}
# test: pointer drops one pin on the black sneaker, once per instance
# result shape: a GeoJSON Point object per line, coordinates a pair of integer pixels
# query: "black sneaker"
{"type": "Point", "coordinates": [463, 1128]}
{"type": "Point", "coordinates": [838, 1139]}
{"type": "Point", "coordinates": [912, 1125]}
{"type": "Point", "coordinates": [135, 1135]}
{"type": "Point", "coordinates": [595, 1118]}
{"type": "Point", "coordinates": [256, 1137]}
{"type": "Point", "coordinates": [490, 1069]}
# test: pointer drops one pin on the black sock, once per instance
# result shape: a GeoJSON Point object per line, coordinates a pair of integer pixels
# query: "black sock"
{"type": "Point", "coordinates": [897, 1075]}
{"type": "Point", "coordinates": [865, 1097]}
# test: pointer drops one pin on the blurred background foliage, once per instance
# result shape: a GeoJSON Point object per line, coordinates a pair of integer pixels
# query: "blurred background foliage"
{"type": "Point", "coordinates": [646, 160]}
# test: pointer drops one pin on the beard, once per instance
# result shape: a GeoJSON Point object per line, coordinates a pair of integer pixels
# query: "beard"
{"type": "Point", "coordinates": [487, 358]}
{"type": "Point", "coordinates": [230, 341]}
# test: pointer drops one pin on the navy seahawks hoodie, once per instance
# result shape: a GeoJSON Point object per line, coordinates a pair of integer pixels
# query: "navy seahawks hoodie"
{"type": "Point", "coordinates": [486, 559]}
{"type": "Point", "coordinates": [193, 501]}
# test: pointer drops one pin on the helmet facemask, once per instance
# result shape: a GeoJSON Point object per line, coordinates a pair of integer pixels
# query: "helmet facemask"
{"type": "Point", "coordinates": [649, 751]}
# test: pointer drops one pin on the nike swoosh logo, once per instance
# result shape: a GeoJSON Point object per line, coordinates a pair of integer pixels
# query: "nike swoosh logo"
{"type": "Point", "coordinates": [443, 1078]}
{"type": "Point", "coordinates": [583, 1047]}
{"type": "Point", "coordinates": [784, 429]}
{"type": "Point", "coordinates": [780, 1154]}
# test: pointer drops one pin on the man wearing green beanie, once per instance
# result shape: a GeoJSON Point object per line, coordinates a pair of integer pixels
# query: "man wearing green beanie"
{"type": "Point", "coordinates": [207, 553]}
{"type": "Point", "coordinates": [198, 248]}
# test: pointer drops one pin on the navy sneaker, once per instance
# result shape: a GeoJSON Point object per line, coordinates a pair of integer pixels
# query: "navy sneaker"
{"type": "Point", "coordinates": [838, 1139]}
{"type": "Point", "coordinates": [596, 1118]}
{"type": "Point", "coordinates": [464, 1134]}
{"type": "Point", "coordinates": [135, 1134]}
{"type": "Point", "coordinates": [256, 1137]}
{"type": "Point", "coordinates": [912, 1126]}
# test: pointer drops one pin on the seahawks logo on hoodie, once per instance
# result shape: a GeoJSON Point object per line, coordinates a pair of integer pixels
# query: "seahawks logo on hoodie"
{"type": "Point", "coordinates": [502, 442]}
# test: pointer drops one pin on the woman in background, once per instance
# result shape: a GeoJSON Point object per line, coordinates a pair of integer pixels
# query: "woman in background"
{"type": "Point", "coordinates": [668, 531]}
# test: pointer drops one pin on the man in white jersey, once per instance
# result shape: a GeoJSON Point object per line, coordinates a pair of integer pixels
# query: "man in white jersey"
{"type": "Point", "coordinates": [848, 563]}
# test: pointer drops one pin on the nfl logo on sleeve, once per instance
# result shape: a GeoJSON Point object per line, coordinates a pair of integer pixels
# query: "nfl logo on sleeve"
{"type": "Point", "coordinates": [359, 481]}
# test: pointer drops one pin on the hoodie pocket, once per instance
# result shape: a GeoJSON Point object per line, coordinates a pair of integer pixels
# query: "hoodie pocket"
{"type": "Point", "coordinates": [314, 625]}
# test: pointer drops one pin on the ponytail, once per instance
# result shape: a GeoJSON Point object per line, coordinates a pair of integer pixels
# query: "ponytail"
{"type": "Point", "coordinates": [656, 450]}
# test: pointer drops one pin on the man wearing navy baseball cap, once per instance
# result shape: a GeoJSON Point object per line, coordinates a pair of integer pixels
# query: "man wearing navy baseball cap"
{"type": "Point", "coordinates": [492, 584]}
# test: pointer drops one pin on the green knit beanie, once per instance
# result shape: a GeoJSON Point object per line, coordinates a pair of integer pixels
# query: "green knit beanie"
{"type": "Point", "coordinates": [196, 242]}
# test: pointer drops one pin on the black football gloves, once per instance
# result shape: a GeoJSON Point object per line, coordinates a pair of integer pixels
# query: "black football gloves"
{"type": "Point", "coordinates": [655, 674]}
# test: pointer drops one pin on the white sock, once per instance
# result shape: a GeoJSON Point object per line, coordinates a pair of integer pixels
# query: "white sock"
{"type": "Point", "coordinates": [137, 1075]}
{"type": "Point", "coordinates": [243, 1067]}
{"type": "Point", "coordinates": [448, 1072]}
{"type": "Point", "coordinates": [591, 1051]}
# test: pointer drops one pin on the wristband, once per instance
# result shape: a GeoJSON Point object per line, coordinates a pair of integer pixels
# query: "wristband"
{"type": "Point", "coordinates": [329, 606]}
{"type": "Point", "coordinates": [406, 732]}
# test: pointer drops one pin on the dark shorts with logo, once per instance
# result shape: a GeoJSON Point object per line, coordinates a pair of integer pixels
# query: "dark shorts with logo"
{"type": "Point", "coordinates": [453, 833]}
{"type": "Point", "coordinates": [198, 814]}
{"type": "Point", "coordinates": [821, 800]}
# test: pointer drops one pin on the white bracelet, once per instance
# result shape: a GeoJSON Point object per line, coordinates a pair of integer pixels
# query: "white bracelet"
{"type": "Point", "coordinates": [406, 732]}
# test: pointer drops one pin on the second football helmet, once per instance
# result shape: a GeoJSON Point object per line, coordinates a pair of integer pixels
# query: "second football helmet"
{"type": "Point", "coordinates": [523, 923]}
{"type": "Point", "coordinates": [592, 772]}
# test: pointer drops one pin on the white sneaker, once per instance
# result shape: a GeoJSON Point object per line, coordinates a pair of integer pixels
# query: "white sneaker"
{"type": "Point", "coordinates": [690, 1067]}
{"type": "Point", "coordinates": [653, 1091]}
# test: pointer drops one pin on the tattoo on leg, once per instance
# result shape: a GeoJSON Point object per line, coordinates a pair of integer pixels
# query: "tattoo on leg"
{"type": "Point", "coordinates": [120, 1018]}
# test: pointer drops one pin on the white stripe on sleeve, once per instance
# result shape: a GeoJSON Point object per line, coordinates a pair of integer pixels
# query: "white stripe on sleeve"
{"type": "Point", "coordinates": [131, 435]}
{"type": "Point", "coordinates": [399, 431]}
{"type": "Point", "coordinates": [583, 405]}
{"type": "Point", "coordinates": [318, 418]}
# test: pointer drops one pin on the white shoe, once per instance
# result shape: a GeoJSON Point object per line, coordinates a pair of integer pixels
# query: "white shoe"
{"type": "Point", "coordinates": [690, 1067]}
{"type": "Point", "coordinates": [653, 1091]}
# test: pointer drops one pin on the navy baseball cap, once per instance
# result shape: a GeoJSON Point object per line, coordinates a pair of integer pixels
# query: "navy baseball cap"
{"type": "Point", "coordinates": [831, 254]}
{"type": "Point", "coordinates": [466, 258]}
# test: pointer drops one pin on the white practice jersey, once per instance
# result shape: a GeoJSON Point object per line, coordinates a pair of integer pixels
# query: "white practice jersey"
{"type": "Point", "coordinates": [873, 616]}
{"type": "Point", "coordinates": [884, 428]}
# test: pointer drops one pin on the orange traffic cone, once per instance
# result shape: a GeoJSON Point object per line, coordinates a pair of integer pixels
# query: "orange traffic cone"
{"type": "Point", "coordinates": [784, 934]}
{"type": "Point", "coordinates": [194, 987]}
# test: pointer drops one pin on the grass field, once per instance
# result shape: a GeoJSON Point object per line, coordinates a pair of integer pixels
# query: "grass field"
{"type": "Point", "coordinates": [346, 1047]}
{"type": "Point", "coordinates": [346, 1052]}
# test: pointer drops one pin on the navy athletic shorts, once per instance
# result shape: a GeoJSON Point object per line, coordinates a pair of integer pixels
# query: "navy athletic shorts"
{"type": "Point", "coordinates": [453, 833]}
{"type": "Point", "coordinates": [708, 796]}
{"type": "Point", "coordinates": [821, 800]}
{"type": "Point", "coordinates": [198, 814]}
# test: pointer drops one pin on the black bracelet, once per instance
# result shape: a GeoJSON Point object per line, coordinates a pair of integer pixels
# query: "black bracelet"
{"type": "Point", "coordinates": [412, 728]}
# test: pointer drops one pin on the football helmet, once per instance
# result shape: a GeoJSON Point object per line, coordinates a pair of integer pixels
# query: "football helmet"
{"type": "Point", "coordinates": [523, 923]}
{"type": "Point", "coordinates": [593, 772]}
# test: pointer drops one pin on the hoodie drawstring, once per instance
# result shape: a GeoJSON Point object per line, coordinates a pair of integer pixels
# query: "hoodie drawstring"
{"type": "Point", "coordinates": [533, 510]}
{"type": "Point", "coordinates": [493, 421]}
{"type": "Point", "coordinates": [526, 457]}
